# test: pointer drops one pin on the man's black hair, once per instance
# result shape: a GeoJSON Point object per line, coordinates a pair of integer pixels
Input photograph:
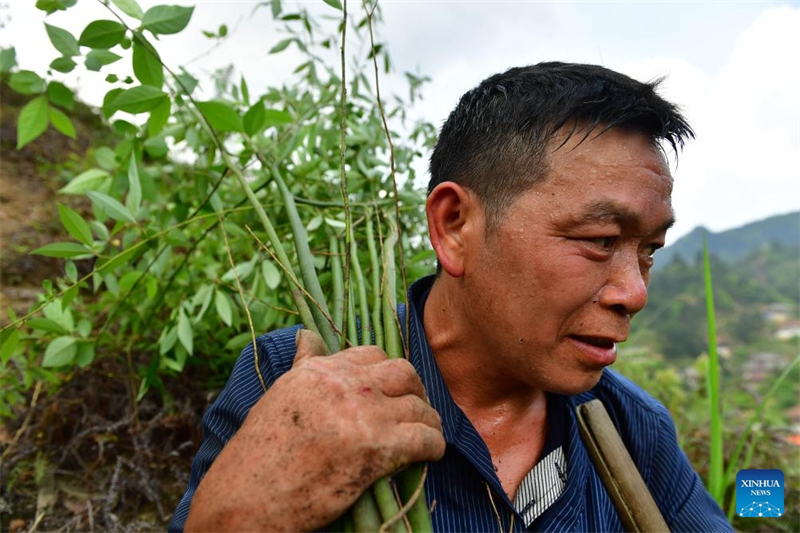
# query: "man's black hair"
{"type": "Point", "coordinates": [496, 140]}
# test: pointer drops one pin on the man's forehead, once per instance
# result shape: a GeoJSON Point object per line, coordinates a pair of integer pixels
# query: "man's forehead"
{"type": "Point", "coordinates": [582, 140]}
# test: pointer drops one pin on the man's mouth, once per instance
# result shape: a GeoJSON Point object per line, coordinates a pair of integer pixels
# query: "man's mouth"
{"type": "Point", "coordinates": [600, 342]}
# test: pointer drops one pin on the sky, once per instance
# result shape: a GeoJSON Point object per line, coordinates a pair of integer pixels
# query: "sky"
{"type": "Point", "coordinates": [733, 67]}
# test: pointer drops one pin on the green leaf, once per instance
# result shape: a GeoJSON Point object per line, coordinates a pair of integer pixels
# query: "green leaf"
{"type": "Point", "coordinates": [56, 312]}
{"type": "Point", "coordinates": [63, 64]}
{"type": "Point", "coordinates": [187, 81]}
{"type": "Point", "coordinates": [134, 199]}
{"type": "Point", "coordinates": [334, 3]}
{"type": "Point", "coordinates": [102, 34]}
{"type": "Point", "coordinates": [32, 121]}
{"type": "Point", "coordinates": [61, 122]}
{"type": "Point", "coordinates": [105, 158]}
{"type": "Point", "coordinates": [8, 59]}
{"type": "Point", "coordinates": [276, 8]}
{"type": "Point", "coordinates": [125, 128]}
{"type": "Point", "coordinates": [129, 279]}
{"type": "Point", "coordinates": [159, 118]}
{"type": "Point", "coordinates": [54, 5]}
{"type": "Point", "coordinates": [100, 230]}
{"type": "Point", "coordinates": [51, 6]}
{"type": "Point", "coordinates": [84, 328]}
{"type": "Point", "coordinates": [185, 331]}
{"type": "Point", "coordinates": [62, 249]}
{"type": "Point", "coordinates": [111, 283]}
{"type": "Point", "coordinates": [223, 306]}
{"type": "Point", "coordinates": [45, 324]}
{"type": "Point", "coordinates": [168, 339]}
{"type": "Point", "coordinates": [97, 59]}
{"type": "Point", "coordinates": [91, 180]}
{"type": "Point", "coordinates": [156, 148]}
{"type": "Point", "coordinates": [63, 41]}
{"type": "Point", "coordinates": [26, 82]}
{"type": "Point", "coordinates": [85, 354]}
{"type": "Point", "coordinates": [146, 63]}
{"type": "Point", "coordinates": [75, 225]}
{"type": "Point", "coordinates": [245, 91]}
{"type": "Point", "coordinates": [337, 224]}
{"type": "Point", "coordinates": [60, 95]}
{"type": "Point", "coordinates": [138, 99]}
{"type": "Point", "coordinates": [314, 223]}
{"type": "Point", "coordinates": [9, 346]}
{"type": "Point", "coordinates": [221, 116]}
{"type": "Point", "coordinates": [111, 207]}
{"type": "Point", "coordinates": [273, 117]}
{"type": "Point", "coordinates": [238, 342]}
{"type": "Point", "coordinates": [130, 8]}
{"type": "Point", "coordinates": [167, 20]}
{"type": "Point", "coordinates": [60, 352]}
{"type": "Point", "coordinates": [71, 271]}
{"type": "Point", "coordinates": [255, 119]}
{"type": "Point", "coordinates": [272, 276]}
{"type": "Point", "coordinates": [281, 46]}
{"type": "Point", "coordinates": [242, 270]}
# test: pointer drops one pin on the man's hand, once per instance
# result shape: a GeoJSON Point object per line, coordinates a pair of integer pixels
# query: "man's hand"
{"type": "Point", "coordinates": [318, 438]}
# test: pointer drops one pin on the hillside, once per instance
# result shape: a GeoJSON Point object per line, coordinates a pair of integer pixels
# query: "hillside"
{"type": "Point", "coordinates": [731, 245]}
{"type": "Point", "coordinates": [745, 289]}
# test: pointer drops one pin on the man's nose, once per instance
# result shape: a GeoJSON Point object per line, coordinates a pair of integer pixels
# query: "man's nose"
{"type": "Point", "coordinates": [625, 290]}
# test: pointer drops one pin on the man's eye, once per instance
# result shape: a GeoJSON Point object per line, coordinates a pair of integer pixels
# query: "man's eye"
{"type": "Point", "coordinates": [603, 242]}
{"type": "Point", "coordinates": [652, 248]}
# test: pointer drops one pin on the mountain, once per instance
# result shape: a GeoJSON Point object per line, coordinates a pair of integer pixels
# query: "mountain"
{"type": "Point", "coordinates": [754, 268]}
{"type": "Point", "coordinates": [732, 244]}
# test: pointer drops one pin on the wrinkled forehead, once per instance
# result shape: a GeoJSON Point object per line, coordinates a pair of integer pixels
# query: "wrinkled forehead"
{"type": "Point", "coordinates": [606, 149]}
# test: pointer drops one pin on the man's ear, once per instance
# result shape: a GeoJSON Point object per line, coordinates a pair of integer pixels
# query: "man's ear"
{"type": "Point", "coordinates": [455, 219]}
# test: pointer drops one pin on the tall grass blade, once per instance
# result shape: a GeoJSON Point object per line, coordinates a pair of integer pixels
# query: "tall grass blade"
{"type": "Point", "coordinates": [716, 476]}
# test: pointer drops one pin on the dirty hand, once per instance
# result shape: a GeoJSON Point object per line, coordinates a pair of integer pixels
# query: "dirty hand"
{"type": "Point", "coordinates": [318, 438]}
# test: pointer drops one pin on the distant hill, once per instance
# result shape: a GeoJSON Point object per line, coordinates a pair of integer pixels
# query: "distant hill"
{"type": "Point", "coordinates": [753, 267]}
{"type": "Point", "coordinates": [732, 244]}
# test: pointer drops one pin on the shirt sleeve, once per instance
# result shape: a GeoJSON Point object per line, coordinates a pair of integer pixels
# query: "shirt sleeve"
{"type": "Point", "coordinates": [226, 415]}
{"type": "Point", "coordinates": [676, 487]}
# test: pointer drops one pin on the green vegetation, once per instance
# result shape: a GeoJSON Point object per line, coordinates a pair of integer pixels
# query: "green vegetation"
{"type": "Point", "coordinates": [175, 264]}
{"type": "Point", "coordinates": [744, 420]}
{"type": "Point", "coordinates": [674, 322]}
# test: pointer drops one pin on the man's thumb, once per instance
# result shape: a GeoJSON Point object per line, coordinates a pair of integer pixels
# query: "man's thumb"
{"type": "Point", "coordinates": [309, 344]}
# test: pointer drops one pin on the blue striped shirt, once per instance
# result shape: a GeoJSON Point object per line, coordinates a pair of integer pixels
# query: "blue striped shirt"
{"type": "Point", "coordinates": [458, 485]}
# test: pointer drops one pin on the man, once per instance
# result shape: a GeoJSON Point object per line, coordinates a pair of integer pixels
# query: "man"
{"type": "Point", "coordinates": [549, 194]}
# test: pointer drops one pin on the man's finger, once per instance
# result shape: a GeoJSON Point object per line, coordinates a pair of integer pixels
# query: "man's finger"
{"type": "Point", "coordinates": [397, 377]}
{"type": "Point", "coordinates": [309, 344]}
{"type": "Point", "coordinates": [413, 409]}
{"type": "Point", "coordinates": [420, 442]}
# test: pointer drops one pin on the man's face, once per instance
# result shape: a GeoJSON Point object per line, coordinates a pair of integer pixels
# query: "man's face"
{"type": "Point", "coordinates": [553, 288]}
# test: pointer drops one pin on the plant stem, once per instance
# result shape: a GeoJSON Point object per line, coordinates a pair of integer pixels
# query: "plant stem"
{"type": "Point", "coordinates": [322, 316]}
{"type": "Point", "coordinates": [342, 163]}
{"type": "Point", "coordinates": [391, 326]}
{"type": "Point", "coordinates": [338, 281]}
{"type": "Point", "coordinates": [384, 497]}
{"type": "Point", "coordinates": [365, 514]}
{"type": "Point", "coordinates": [361, 290]}
{"type": "Point", "coordinates": [716, 485]}
{"type": "Point", "coordinates": [388, 134]}
{"type": "Point", "coordinates": [376, 284]}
